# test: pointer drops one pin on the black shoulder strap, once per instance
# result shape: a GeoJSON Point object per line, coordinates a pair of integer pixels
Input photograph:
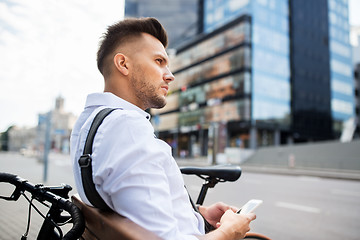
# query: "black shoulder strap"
{"type": "Point", "coordinates": [208, 226]}
{"type": "Point", "coordinates": [85, 163]}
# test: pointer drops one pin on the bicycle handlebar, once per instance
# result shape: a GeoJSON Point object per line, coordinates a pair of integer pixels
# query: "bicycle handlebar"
{"type": "Point", "coordinates": [44, 195]}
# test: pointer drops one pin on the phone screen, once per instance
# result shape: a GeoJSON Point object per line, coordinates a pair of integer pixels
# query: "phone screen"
{"type": "Point", "coordinates": [250, 206]}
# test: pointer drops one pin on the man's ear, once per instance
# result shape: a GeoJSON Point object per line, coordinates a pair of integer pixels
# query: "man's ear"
{"type": "Point", "coordinates": [121, 62]}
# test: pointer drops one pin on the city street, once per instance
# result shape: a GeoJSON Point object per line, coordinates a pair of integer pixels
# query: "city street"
{"type": "Point", "coordinates": [295, 207]}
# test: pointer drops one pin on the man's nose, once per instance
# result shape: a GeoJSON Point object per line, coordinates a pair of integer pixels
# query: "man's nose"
{"type": "Point", "coordinates": [168, 76]}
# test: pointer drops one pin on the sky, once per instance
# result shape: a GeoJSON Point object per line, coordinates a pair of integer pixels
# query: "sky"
{"type": "Point", "coordinates": [48, 49]}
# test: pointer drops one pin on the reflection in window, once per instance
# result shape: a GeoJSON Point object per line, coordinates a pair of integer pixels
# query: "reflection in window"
{"type": "Point", "coordinates": [226, 63]}
{"type": "Point", "coordinates": [270, 39]}
{"type": "Point", "coordinates": [340, 67]}
{"type": "Point", "coordinates": [341, 87]}
{"type": "Point", "coordinates": [340, 49]}
{"type": "Point", "coordinates": [341, 106]}
{"type": "Point", "coordinates": [267, 110]}
{"type": "Point", "coordinates": [271, 63]}
{"type": "Point", "coordinates": [237, 84]}
{"type": "Point", "coordinates": [271, 87]}
{"type": "Point", "coordinates": [230, 38]}
{"type": "Point", "coordinates": [227, 111]}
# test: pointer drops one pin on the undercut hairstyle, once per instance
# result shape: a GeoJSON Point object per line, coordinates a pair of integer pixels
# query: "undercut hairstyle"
{"type": "Point", "coordinates": [124, 30]}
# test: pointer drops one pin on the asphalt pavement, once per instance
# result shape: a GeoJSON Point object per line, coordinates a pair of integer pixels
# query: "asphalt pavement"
{"type": "Point", "coordinates": [13, 220]}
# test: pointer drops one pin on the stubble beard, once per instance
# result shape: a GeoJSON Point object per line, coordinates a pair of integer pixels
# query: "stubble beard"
{"type": "Point", "coordinates": [147, 93]}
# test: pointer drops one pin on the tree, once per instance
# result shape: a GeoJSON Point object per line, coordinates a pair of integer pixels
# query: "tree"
{"type": "Point", "coordinates": [4, 140]}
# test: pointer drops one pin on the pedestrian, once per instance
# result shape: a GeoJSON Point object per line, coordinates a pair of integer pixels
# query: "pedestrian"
{"type": "Point", "coordinates": [133, 171]}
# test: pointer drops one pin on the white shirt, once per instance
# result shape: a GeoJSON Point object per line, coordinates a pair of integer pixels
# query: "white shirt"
{"type": "Point", "coordinates": [133, 171]}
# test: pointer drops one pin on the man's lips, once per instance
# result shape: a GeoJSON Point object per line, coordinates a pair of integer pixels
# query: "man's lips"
{"type": "Point", "coordinates": [166, 88]}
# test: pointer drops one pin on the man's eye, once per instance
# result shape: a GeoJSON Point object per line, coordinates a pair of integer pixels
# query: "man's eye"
{"type": "Point", "coordinates": [159, 60]}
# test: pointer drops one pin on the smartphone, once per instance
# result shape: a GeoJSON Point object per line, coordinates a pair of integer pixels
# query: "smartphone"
{"type": "Point", "coordinates": [250, 206]}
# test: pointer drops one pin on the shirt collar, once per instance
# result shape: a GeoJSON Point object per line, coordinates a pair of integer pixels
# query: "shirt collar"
{"type": "Point", "coordinates": [111, 100]}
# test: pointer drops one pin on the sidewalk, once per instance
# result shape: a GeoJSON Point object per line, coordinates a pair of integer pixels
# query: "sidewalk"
{"type": "Point", "coordinates": [314, 172]}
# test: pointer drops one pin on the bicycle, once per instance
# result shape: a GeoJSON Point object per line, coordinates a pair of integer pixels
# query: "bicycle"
{"type": "Point", "coordinates": [56, 199]}
{"type": "Point", "coordinates": [91, 223]}
{"type": "Point", "coordinates": [108, 225]}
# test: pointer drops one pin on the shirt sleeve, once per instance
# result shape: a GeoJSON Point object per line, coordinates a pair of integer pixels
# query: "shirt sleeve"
{"type": "Point", "coordinates": [130, 173]}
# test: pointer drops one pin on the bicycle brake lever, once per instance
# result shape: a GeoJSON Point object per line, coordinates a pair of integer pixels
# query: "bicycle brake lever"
{"type": "Point", "coordinates": [14, 196]}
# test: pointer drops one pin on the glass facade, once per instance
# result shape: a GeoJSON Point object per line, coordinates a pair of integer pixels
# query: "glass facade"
{"type": "Point", "coordinates": [342, 85]}
{"type": "Point", "coordinates": [214, 84]}
{"type": "Point", "coordinates": [270, 61]}
{"type": "Point", "coordinates": [179, 17]}
{"type": "Point", "coordinates": [267, 71]}
{"type": "Point", "coordinates": [218, 13]}
{"type": "Point", "coordinates": [213, 68]}
{"type": "Point", "coordinates": [237, 74]}
{"type": "Point", "coordinates": [321, 68]}
{"type": "Point", "coordinates": [311, 109]}
{"type": "Point", "coordinates": [233, 37]}
{"type": "Point", "coordinates": [228, 111]}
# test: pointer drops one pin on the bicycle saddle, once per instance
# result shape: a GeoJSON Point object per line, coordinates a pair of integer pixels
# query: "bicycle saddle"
{"type": "Point", "coordinates": [222, 172]}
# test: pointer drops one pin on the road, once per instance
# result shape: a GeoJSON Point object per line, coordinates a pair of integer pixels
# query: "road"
{"type": "Point", "coordinates": [295, 207]}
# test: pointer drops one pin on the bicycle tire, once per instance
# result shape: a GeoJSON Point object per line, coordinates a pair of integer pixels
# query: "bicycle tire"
{"type": "Point", "coordinates": [258, 236]}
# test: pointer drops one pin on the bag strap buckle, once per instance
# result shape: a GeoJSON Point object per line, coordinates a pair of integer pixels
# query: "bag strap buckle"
{"type": "Point", "coordinates": [85, 161]}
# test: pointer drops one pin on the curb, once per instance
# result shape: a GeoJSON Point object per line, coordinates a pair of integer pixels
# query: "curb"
{"type": "Point", "coordinates": [344, 175]}
{"type": "Point", "coordinates": [323, 173]}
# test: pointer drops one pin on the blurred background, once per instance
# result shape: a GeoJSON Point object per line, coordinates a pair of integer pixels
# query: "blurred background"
{"type": "Point", "coordinates": [272, 85]}
{"type": "Point", "coordinates": [249, 74]}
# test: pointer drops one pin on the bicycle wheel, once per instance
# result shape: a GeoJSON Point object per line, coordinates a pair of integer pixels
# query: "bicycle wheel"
{"type": "Point", "coordinates": [257, 236]}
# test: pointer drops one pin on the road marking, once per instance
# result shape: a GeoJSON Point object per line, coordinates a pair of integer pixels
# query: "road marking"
{"type": "Point", "coordinates": [345, 192]}
{"type": "Point", "coordinates": [298, 207]}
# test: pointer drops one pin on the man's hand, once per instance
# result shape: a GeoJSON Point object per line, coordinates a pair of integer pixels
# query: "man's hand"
{"type": "Point", "coordinates": [235, 225]}
{"type": "Point", "coordinates": [213, 213]}
{"type": "Point", "coordinates": [232, 226]}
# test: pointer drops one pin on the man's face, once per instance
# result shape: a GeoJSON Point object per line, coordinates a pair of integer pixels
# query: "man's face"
{"type": "Point", "coordinates": [150, 75]}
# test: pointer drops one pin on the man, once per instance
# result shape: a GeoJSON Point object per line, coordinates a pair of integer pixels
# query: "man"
{"type": "Point", "coordinates": [134, 172]}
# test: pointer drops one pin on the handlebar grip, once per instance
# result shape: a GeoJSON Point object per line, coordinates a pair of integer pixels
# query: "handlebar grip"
{"type": "Point", "coordinates": [10, 178]}
{"type": "Point", "coordinates": [78, 221]}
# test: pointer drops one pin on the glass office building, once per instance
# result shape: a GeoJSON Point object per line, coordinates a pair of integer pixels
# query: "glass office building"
{"type": "Point", "coordinates": [270, 64]}
{"type": "Point", "coordinates": [323, 91]}
{"type": "Point", "coordinates": [179, 17]}
{"type": "Point", "coordinates": [263, 72]}
{"type": "Point", "coordinates": [341, 71]}
{"type": "Point", "coordinates": [236, 77]}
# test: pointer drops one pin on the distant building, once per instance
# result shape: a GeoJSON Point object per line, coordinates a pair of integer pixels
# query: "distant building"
{"type": "Point", "coordinates": [357, 99]}
{"type": "Point", "coordinates": [60, 126]}
{"type": "Point", "coordinates": [179, 17]}
{"type": "Point", "coordinates": [57, 123]}
{"type": "Point", "coordinates": [22, 138]}
{"type": "Point", "coordinates": [355, 42]}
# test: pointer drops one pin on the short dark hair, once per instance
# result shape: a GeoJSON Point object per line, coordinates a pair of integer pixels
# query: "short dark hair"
{"type": "Point", "coordinates": [125, 29]}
